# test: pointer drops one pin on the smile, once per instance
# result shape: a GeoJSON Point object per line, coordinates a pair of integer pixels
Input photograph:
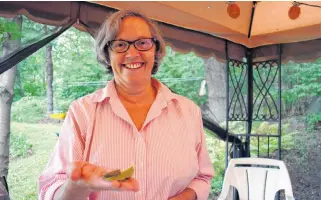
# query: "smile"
{"type": "Point", "coordinates": [133, 66]}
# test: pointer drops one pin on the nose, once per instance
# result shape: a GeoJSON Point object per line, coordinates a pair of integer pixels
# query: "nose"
{"type": "Point", "coordinates": [132, 51]}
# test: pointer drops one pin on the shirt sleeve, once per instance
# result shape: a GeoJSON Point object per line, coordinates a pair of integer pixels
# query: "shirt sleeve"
{"type": "Point", "coordinates": [201, 184]}
{"type": "Point", "coordinates": [69, 147]}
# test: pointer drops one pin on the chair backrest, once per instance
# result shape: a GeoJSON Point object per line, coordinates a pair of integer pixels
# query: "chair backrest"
{"type": "Point", "coordinates": [256, 179]}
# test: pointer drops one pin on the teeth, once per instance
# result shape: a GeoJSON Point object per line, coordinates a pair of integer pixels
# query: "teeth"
{"type": "Point", "coordinates": [134, 66]}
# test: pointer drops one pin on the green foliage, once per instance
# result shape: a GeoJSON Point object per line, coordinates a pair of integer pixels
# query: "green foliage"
{"type": "Point", "coordinates": [304, 80]}
{"type": "Point", "coordinates": [217, 183]}
{"type": "Point", "coordinates": [31, 75]}
{"type": "Point", "coordinates": [29, 109]}
{"type": "Point", "coordinates": [219, 168]}
{"type": "Point", "coordinates": [271, 145]}
{"type": "Point", "coordinates": [187, 69]}
{"type": "Point", "coordinates": [8, 29]}
{"type": "Point", "coordinates": [32, 69]}
{"type": "Point", "coordinates": [19, 145]}
{"type": "Point", "coordinates": [75, 65]}
{"type": "Point", "coordinates": [216, 150]}
{"type": "Point", "coordinates": [62, 105]}
{"type": "Point", "coordinates": [301, 83]}
{"type": "Point", "coordinates": [264, 144]}
{"type": "Point", "coordinates": [313, 121]}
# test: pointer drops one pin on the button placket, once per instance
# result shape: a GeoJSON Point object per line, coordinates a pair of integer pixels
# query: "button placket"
{"type": "Point", "coordinates": [140, 166]}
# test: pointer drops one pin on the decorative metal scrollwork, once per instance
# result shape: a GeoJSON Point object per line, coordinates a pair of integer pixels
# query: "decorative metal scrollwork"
{"type": "Point", "coordinates": [238, 90]}
{"type": "Point", "coordinates": [265, 91]}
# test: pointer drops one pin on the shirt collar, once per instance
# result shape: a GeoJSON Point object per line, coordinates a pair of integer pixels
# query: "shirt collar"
{"type": "Point", "coordinates": [109, 91]}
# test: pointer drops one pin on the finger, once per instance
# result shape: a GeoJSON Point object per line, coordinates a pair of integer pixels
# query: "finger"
{"type": "Point", "coordinates": [115, 184]}
{"type": "Point", "coordinates": [134, 183]}
{"type": "Point", "coordinates": [129, 184]}
{"type": "Point", "coordinates": [88, 171]}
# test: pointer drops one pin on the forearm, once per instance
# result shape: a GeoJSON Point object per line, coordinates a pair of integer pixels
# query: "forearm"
{"type": "Point", "coordinates": [70, 191]}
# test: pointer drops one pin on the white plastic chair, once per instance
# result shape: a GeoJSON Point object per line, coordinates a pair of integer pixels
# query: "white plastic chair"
{"type": "Point", "coordinates": [256, 179]}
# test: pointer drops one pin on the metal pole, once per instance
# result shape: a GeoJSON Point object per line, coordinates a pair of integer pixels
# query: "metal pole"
{"type": "Point", "coordinates": [249, 59]}
{"type": "Point", "coordinates": [227, 101]}
{"type": "Point", "coordinates": [279, 100]}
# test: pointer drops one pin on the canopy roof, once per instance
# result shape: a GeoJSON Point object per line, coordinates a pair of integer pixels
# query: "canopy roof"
{"type": "Point", "coordinates": [270, 25]}
{"type": "Point", "coordinates": [202, 27]}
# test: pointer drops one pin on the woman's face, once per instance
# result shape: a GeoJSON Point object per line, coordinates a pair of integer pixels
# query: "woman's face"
{"type": "Point", "coordinates": [133, 67]}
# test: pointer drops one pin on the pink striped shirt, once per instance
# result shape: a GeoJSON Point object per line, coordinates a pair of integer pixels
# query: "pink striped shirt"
{"type": "Point", "coordinates": [169, 152]}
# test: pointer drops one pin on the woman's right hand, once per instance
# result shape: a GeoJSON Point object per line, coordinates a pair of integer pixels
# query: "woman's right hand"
{"type": "Point", "coordinates": [91, 177]}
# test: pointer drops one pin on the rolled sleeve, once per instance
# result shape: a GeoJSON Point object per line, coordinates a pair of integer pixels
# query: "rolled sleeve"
{"type": "Point", "coordinates": [69, 147]}
{"type": "Point", "coordinates": [201, 188]}
{"type": "Point", "coordinates": [201, 184]}
{"type": "Point", "coordinates": [49, 188]}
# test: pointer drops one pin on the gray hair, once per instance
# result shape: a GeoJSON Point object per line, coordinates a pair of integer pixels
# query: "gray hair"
{"type": "Point", "coordinates": [109, 30]}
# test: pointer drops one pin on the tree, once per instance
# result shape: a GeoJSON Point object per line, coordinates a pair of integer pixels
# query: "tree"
{"type": "Point", "coordinates": [19, 83]}
{"type": "Point", "coordinates": [49, 67]}
{"type": "Point", "coordinates": [7, 79]}
{"type": "Point", "coordinates": [183, 73]}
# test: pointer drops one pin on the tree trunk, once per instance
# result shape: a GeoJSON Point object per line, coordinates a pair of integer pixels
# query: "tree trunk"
{"type": "Point", "coordinates": [19, 84]}
{"type": "Point", "coordinates": [44, 85]}
{"type": "Point", "coordinates": [215, 108]}
{"type": "Point", "coordinates": [7, 80]}
{"type": "Point", "coordinates": [49, 78]}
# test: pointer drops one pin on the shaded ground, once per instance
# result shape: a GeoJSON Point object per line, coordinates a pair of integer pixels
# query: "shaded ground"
{"type": "Point", "coordinates": [304, 162]}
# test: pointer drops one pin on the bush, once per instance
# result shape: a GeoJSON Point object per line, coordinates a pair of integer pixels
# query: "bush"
{"type": "Point", "coordinates": [216, 150]}
{"type": "Point", "coordinates": [29, 109]}
{"type": "Point", "coordinates": [313, 121]}
{"type": "Point", "coordinates": [272, 144]}
{"type": "Point", "coordinates": [19, 145]}
{"type": "Point", "coordinates": [62, 105]}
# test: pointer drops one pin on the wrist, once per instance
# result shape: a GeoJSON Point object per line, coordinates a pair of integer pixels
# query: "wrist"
{"type": "Point", "coordinates": [189, 194]}
{"type": "Point", "coordinates": [74, 188]}
{"type": "Point", "coordinates": [70, 190]}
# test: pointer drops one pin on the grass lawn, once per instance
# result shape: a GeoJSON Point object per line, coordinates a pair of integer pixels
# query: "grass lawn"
{"type": "Point", "coordinates": [23, 172]}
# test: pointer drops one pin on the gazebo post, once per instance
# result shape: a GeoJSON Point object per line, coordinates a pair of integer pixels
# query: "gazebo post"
{"type": "Point", "coordinates": [279, 100]}
{"type": "Point", "coordinates": [227, 102]}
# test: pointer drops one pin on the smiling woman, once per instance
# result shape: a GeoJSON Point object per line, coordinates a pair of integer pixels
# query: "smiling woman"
{"type": "Point", "coordinates": [113, 27]}
{"type": "Point", "coordinates": [134, 121]}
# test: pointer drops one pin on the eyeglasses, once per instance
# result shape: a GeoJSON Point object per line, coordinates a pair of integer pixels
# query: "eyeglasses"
{"type": "Point", "coordinates": [121, 46]}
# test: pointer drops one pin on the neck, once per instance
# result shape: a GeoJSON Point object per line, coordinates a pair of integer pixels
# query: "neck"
{"type": "Point", "coordinates": [136, 93]}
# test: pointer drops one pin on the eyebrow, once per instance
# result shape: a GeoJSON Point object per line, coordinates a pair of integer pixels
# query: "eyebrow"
{"type": "Point", "coordinates": [140, 37]}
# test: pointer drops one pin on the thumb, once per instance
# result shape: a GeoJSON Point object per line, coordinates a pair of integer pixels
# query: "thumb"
{"type": "Point", "coordinates": [74, 170]}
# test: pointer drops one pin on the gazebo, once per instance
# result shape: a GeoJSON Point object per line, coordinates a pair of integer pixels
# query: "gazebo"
{"type": "Point", "coordinates": [249, 36]}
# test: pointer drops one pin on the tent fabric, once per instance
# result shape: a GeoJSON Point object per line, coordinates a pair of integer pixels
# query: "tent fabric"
{"type": "Point", "coordinates": [186, 29]}
{"type": "Point", "coordinates": [270, 25]}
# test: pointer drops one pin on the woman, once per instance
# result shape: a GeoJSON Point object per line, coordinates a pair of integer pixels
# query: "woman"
{"type": "Point", "coordinates": [135, 120]}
